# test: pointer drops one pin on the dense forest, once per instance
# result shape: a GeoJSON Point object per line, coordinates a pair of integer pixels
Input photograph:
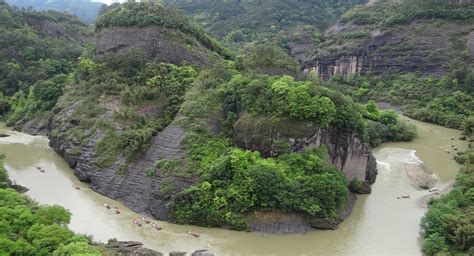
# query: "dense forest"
{"type": "Point", "coordinates": [38, 51]}
{"type": "Point", "coordinates": [108, 109]}
{"type": "Point", "coordinates": [238, 23]}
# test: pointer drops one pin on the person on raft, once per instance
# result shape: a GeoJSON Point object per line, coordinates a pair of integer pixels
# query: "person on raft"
{"type": "Point", "coordinates": [137, 223]}
{"type": "Point", "coordinates": [117, 211]}
{"type": "Point", "coordinates": [107, 206]}
{"type": "Point", "coordinates": [193, 234]}
{"type": "Point", "coordinates": [147, 221]}
{"type": "Point", "coordinates": [156, 226]}
{"type": "Point", "coordinates": [76, 187]}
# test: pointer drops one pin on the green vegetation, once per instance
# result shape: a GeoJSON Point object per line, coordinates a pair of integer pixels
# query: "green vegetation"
{"type": "Point", "coordinates": [27, 228]}
{"type": "Point", "coordinates": [152, 13]}
{"type": "Point", "coordinates": [267, 59]}
{"type": "Point", "coordinates": [276, 22]}
{"type": "Point", "coordinates": [443, 100]}
{"type": "Point", "coordinates": [235, 182]}
{"type": "Point", "coordinates": [142, 98]}
{"type": "Point", "coordinates": [386, 126]}
{"type": "Point", "coordinates": [448, 224]}
{"type": "Point", "coordinates": [5, 182]}
{"type": "Point", "coordinates": [393, 13]}
{"type": "Point", "coordinates": [35, 63]}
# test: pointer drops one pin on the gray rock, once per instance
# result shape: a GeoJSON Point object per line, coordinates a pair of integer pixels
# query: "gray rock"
{"type": "Point", "coordinates": [177, 253]}
{"type": "Point", "coordinates": [152, 41]}
{"type": "Point", "coordinates": [130, 248]}
{"type": "Point", "coordinates": [347, 152]}
{"type": "Point", "coordinates": [133, 188]}
{"type": "Point", "coordinates": [19, 188]}
{"type": "Point", "coordinates": [390, 50]}
{"type": "Point", "coordinates": [202, 253]}
{"type": "Point", "coordinates": [36, 126]}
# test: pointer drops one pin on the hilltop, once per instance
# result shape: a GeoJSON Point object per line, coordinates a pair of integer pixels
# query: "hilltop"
{"type": "Point", "coordinates": [86, 10]}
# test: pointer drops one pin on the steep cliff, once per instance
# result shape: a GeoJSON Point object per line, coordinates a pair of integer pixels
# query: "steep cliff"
{"type": "Point", "coordinates": [347, 152]}
{"type": "Point", "coordinates": [403, 37]}
{"type": "Point", "coordinates": [156, 30]}
{"type": "Point", "coordinates": [117, 125]}
{"type": "Point", "coordinates": [121, 122]}
{"type": "Point", "coordinates": [154, 41]}
{"type": "Point", "coordinates": [134, 188]}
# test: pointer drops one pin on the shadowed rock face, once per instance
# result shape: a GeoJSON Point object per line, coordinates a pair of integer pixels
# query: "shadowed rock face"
{"type": "Point", "coordinates": [134, 188]}
{"type": "Point", "coordinates": [347, 152]}
{"type": "Point", "coordinates": [154, 42]}
{"type": "Point", "coordinates": [417, 47]}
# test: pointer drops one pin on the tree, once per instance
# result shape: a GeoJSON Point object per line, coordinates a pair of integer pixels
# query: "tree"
{"type": "Point", "coordinates": [48, 238]}
{"type": "Point", "coordinates": [434, 244]}
{"type": "Point", "coordinates": [55, 214]}
{"type": "Point", "coordinates": [76, 248]}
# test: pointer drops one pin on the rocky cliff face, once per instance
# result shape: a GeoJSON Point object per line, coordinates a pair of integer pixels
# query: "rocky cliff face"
{"type": "Point", "coordinates": [133, 188]}
{"type": "Point", "coordinates": [357, 49]}
{"type": "Point", "coordinates": [347, 152]}
{"type": "Point", "coordinates": [154, 42]}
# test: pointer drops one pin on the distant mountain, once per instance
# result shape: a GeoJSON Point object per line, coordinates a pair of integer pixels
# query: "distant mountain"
{"type": "Point", "coordinates": [84, 9]}
{"type": "Point", "coordinates": [239, 22]}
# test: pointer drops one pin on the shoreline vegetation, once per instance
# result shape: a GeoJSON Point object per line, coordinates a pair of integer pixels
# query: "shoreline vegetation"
{"type": "Point", "coordinates": [448, 224]}
{"type": "Point", "coordinates": [32, 229]}
{"type": "Point", "coordinates": [242, 123]}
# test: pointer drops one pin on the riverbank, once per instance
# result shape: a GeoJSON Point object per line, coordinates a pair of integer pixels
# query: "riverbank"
{"type": "Point", "coordinates": [378, 224]}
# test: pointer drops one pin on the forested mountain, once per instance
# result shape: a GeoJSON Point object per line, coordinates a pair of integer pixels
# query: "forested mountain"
{"type": "Point", "coordinates": [37, 52]}
{"type": "Point", "coordinates": [189, 132]}
{"type": "Point", "coordinates": [86, 10]}
{"type": "Point", "coordinates": [163, 117]}
{"type": "Point", "coordinates": [415, 54]}
{"type": "Point", "coordinates": [239, 22]}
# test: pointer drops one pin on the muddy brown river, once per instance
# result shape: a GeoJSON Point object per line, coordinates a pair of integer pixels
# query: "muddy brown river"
{"type": "Point", "coordinates": [379, 224]}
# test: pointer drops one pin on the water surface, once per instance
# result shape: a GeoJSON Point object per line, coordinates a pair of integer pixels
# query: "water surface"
{"type": "Point", "coordinates": [379, 225]}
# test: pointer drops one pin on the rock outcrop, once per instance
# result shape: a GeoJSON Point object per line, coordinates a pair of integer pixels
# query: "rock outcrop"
{"type": "Point", "coordinates": [129, 248]}
{"type": "Point", "coordinates": [415, 48]}
{"type": "Point", "coordinates": [279, 223]}
{"type": "Point", "coordinates": [347, 152]}
{"type": "Point", "coordinates": [133, 188]}
{"type": "Point", "coordinates": [36, 126]}
{"type": "Point", "coordinates": [154, 42]}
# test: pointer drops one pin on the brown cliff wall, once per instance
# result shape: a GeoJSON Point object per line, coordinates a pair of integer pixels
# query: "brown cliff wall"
{"type": "Point", "coordinates": [416, 47]}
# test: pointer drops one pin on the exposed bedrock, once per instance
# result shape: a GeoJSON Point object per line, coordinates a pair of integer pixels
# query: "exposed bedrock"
{"type": "Point", "coordinates": [418, 47]}
{"type": "Point", "coordinates": [133, 188]}
{"type": "Point", "coordinates": [154, 42]}
{"type": "Point", "coordinates": [347, 152]}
